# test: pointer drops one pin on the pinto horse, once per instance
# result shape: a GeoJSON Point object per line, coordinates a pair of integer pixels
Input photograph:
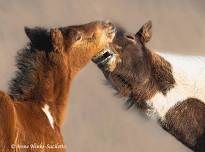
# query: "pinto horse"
{"type": "Point", "coordinates": [168, 87]}
{"type": "Point", "coordinates": [31, 115]}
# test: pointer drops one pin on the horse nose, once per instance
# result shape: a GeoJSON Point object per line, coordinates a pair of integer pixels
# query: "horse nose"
{"type": "Point", "coordinates": [108, 24]}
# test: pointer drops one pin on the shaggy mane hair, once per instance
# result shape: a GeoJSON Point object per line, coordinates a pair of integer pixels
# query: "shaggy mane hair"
{"type": "Point", "coordinates": [28, 61]}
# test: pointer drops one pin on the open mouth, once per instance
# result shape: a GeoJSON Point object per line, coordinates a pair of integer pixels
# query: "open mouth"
{"type": "Point", "coordinates": [103, 56]}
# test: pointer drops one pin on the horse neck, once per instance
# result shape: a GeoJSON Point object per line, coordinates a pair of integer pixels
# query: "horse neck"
{"type": "Point", "coordinates": [161, 72]}
{"type": "Point", "coordinates": [57, 92]}
{"type": "Point", "coordinates": [46, 82]}
{"type": "Point", "coordinates": [158, 79]}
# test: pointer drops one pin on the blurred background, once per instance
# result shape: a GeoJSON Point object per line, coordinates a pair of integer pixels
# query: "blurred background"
{"type": "Point", "coordinates": [96, 120]}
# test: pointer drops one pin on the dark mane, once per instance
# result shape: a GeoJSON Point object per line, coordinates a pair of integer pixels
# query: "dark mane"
{"type": "Point", "coordinates": [29, 61]}
{"type": "Point", "coordinates": [27, 65]}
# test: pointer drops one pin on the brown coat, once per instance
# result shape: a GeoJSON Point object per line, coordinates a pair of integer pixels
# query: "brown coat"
{"type": "Point", "coordinates": [33, 111]}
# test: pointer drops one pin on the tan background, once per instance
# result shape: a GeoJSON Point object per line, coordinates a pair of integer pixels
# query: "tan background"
{"type": "Point", "coordinates": [96, 120]}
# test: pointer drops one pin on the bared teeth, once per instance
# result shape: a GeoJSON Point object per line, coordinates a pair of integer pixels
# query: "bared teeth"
{"type": "Point", "coordinates": [103, 56]}
{"type": "Point", "coordinates": [101, 53]}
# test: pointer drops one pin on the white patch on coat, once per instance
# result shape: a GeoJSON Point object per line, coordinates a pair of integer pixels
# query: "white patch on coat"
{"type": "Point", "coordinates": [48, 114]}
{"type": "Point", "coordinates": [189, 74]}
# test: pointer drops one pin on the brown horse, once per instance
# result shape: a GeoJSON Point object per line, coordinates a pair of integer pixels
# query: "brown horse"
{"type": "Point", "coordinates": [32, 113]}
{"type": "Point", "coordinates": [168, 87]}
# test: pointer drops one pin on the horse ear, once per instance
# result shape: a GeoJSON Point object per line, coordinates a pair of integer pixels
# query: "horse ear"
{"type": "Point", "coordinates": [145, 33]}
{"type": "Point", "coordinates": [57, 40]}
{"type": "Point", "coordinates": [31, 33]}
{"type": "Point", "coordinates": [39, 37]}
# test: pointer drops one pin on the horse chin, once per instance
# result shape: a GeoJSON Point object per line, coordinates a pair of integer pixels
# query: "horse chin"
{"type": "Point", "coordinates": [106, 60]}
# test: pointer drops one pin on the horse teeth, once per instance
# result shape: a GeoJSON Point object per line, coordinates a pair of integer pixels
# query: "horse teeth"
{"type": "Point", "coordinates": [101, 53]}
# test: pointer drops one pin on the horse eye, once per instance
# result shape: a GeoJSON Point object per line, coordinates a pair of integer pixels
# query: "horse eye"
{"type": "Point", "coordinates": [131, 37]}
{"type": "Point", "coordinates": [93, 36]}
{"type": "Point", "coordinates": [78, 37]}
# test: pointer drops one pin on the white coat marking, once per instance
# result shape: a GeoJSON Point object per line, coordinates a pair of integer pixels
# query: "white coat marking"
{"type": "Point", "coordinates": [48, 114]}
{"type": "Point", "coordinates": [189, 74]}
